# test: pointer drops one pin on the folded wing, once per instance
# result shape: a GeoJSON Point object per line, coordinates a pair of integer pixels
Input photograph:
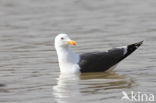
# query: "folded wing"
{"type": "Point", "coordinates": [102, 61]}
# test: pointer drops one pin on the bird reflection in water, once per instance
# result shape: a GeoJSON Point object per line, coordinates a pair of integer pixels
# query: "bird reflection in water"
{"type": "Point", "coordinates": [67, 89]}
{"type": "Point", "coordinates": [71, 87]}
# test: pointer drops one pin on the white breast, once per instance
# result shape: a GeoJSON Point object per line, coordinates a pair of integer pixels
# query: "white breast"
{"type": "Point", "coordinates": [68, 61]}
{"type": "Point", "coordinates": [69, 68]}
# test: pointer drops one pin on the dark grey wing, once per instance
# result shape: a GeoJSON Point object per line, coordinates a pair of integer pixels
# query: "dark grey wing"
{"type": "Point", "coordinates": [102, 61]}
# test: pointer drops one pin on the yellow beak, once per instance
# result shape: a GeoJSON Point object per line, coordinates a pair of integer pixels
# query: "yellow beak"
{"type": "Point", "coordinates": [72, 42]}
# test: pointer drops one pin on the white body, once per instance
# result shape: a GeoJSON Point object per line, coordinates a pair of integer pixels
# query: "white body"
{"type": "Point", "coordinates": [68, 61]}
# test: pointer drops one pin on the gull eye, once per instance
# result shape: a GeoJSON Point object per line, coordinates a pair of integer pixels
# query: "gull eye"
{"type": "Point", "coordinates": [62, 38]}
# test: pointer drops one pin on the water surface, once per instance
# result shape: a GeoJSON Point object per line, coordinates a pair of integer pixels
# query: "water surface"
{"type": "Point", "coordinates": [29, 71]}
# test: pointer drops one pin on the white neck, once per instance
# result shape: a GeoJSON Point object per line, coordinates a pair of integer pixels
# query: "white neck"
{"type": "Point", "coordinates": [68, 61]}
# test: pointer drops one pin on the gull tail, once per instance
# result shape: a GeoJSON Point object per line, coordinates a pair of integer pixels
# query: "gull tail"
{"type": "Point", "coordinates": [132, 47]}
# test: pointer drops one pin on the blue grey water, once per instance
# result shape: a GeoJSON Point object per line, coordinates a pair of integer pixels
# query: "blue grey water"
{"type": "Point", "coordinates": [29, 71]}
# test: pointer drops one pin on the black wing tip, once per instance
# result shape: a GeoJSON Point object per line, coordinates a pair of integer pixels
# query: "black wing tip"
{"type": "Point", "coordinates": [132, 47]}
{"type": "Point", "coordinates": [136, 45]}
{"type": "Point", "coordinates": [139, 43]}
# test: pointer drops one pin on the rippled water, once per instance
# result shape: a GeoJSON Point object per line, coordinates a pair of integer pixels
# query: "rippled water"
{"type": "Point", "coordinates": [29, 71]}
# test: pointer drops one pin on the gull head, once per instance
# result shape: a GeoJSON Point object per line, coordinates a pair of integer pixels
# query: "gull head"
{"type": "Point", "coordinates": [63, 40]}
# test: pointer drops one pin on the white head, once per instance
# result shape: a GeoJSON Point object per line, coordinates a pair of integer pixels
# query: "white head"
{"type": "Point", "coordinates": [67, 59]}
{"type": "Point", "coordinates": [63, 40]}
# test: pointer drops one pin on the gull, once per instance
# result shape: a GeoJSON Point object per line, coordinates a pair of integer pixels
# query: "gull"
{"type": "Point", "coordinates": [70, 62]}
